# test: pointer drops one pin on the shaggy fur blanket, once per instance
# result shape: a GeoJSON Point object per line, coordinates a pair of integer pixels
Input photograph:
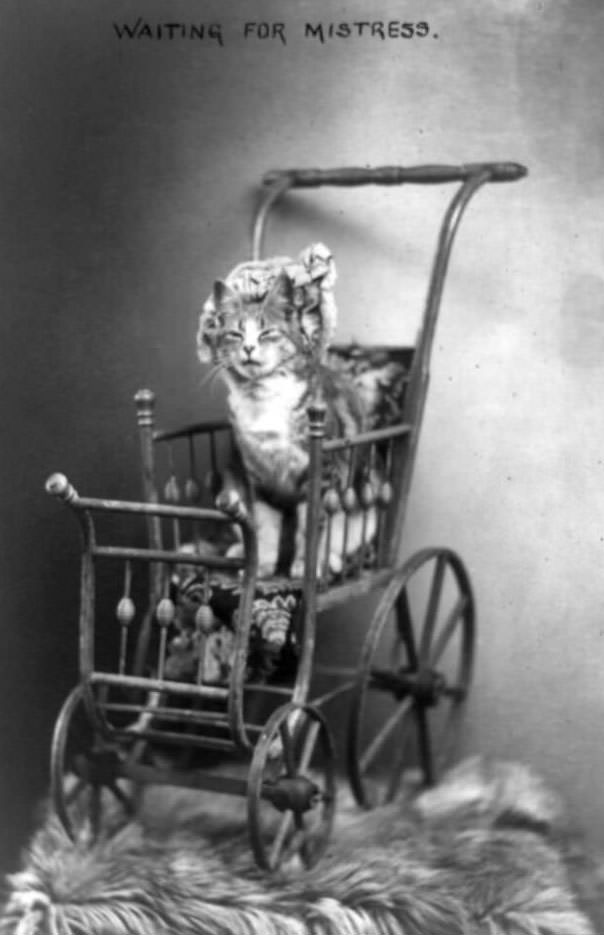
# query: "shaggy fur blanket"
{"type": "Point", "coordinates": [483, 853]}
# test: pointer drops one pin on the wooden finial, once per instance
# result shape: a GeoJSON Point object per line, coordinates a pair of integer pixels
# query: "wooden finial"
{"type": "Point", "coordinates": [145, 405]}
{"type": "Point", "coordinates": [58, 486]}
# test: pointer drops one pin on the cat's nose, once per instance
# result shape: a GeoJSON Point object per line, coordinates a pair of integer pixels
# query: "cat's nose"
{"type": "Point", "coordinates": [248, 349]}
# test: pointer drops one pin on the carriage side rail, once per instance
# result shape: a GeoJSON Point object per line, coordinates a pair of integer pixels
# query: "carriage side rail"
{"type": "Point", "coordinates": [235, 512]}
{"type": "Point", "coordinates": [195, 428]}
{"type": "Point", "coordinates": [366, 438]}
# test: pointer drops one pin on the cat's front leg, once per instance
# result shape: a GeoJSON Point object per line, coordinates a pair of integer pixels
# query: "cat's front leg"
{"type": "Point", "coordinates": [232, 491]}
{"type": "Point", "coordinates": [299, 562]}
{"type": "Point", "coordinates": [268, 522]}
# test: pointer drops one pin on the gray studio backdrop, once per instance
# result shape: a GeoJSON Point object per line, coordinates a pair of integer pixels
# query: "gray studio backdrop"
{"type": "Point", "coordinates": [128, 174]}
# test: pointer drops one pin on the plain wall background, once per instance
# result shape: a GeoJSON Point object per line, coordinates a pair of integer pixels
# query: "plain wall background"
{"type": "Point", "coordinates": [128, 177]}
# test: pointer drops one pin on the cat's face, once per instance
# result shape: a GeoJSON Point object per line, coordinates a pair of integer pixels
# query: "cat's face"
{"type": "Point", "coordinates": [250, 339]}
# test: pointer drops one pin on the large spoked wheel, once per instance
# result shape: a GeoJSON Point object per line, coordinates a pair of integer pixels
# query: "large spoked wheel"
{"type": "Point", "coordinates": [413, 679]}
{"type": "Point", "coordinates": [291, 788]}
{"type": "Point", "coordinates": [85, 779]}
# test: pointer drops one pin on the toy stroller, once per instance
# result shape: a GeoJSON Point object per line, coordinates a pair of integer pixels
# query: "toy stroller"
{"type": "Point", "coordinates": [203, 656]}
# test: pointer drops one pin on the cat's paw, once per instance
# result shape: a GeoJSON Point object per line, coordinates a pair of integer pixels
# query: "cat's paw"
{"type": "Point", "coordinates": [236, 550]}
{"type": "Point", "coordinates": [266, 569]}
{"type": "Point", "coordinates": [335, 566]}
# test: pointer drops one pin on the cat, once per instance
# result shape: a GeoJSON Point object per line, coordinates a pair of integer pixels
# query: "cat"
{"type": "Point", "coordinates": [266, 329]}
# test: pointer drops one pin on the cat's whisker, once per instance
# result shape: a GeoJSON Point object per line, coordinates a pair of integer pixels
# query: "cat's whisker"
{"type": "Point", "coordinates": [210, 377]}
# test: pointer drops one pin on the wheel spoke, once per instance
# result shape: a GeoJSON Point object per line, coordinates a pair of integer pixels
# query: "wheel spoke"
{"type": "Point", "coordinates": [449, 627]}
{"type": "Point", "coordinates": [76, 790]}
{"type": "Point", "coordinates": [80, 735]}
{"type": "Point", "coordinates": [425, 746]}
{"type": "Point", "coordinates": [399, 764]}
{"type": "Point", "coordinates": [95, 809]}
{"type": "Point", "coordinates": [288, 748]}
{"type": "Point", "coordinates": [309, 745]}
{"type": "Point", "coordinates": [276, 849]}
{"type": "Point", "coordinates": [432, 609]}
{"type": "Point", "coordinates": [405, 627]}
{"type": "Point", "coordinates": [122, 797]}
{"type": "Point", "coordinates": [401, 711]}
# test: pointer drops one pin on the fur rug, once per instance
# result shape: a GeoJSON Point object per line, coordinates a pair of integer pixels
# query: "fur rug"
{"type": "Point", "coordinates": [483, 853]}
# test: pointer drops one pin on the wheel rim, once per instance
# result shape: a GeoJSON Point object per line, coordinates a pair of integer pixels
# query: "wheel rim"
{"type": "Point", "coordinates": [291, 788]}
{"type": "Point", "coordinates": [84, 768]}
{"type": "Point", "coordinates": [414, 676]}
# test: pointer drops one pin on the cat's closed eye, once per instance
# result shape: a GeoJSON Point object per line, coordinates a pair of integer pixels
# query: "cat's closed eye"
{"type": "Point", "coordinates": [270, 334]}
{"type": "Point", "coordinates": [233, 336]}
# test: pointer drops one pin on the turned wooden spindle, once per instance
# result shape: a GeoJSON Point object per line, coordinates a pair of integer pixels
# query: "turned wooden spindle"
{"type": "Point", "coordinates": [145, 415]}
{"type": "Point", "coordinates": [172, 494]}
{"type": "Point", "coordinates": [384, 497]}
{"type": "Point", "coordinates": [367, 496]}
{"type": "Point", "coordinates": [192, 485]}
{"type": "Point", "coordinates": [204, 625]}
{"type": "Point", "coordinates": [164, 613]}
{"type": "Point", "coordinates": [144, 401]}
{"type": "Point", "coordinates": [331, 501]}
{"type": "Point", "coordinates": [125, 613]}
{"type": "Point", "coordinates": [172, 490]}
{"type": "Point", "coordinates": [145, 407]}
{"type": "Point", "coordinates": [317, 412]}
{"type": "Point", "coordinates": [213, 479]}
{"type": "Point", "coordinates": [331, 505]}
{"type": "Point", "coordinates": [349, 500]}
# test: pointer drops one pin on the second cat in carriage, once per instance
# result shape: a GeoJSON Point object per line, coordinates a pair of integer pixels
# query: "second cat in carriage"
{"type": "Point", "coordinates": [266, 329]}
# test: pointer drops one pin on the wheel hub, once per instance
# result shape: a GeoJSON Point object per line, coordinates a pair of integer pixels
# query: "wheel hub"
{"type": "Point", "coordinates": [98, 767]}
{"type": "Point", "coordinates": [297, 793]}
{"type": "Point", "coordinates": [425, 685]}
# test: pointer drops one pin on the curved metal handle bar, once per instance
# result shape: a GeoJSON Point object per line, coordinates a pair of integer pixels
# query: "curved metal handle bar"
{"type": "Point", "coordinates": [275, 189]}
{"type": "Point", "coordinates": [420, 367]}
{"type": "Point", "coordinates": [395, 175]}
{"type": "Point", "coordinates": [449, 226]}
{"type": "Point", "coordinates": [60, 487]}
{"type": "Point", "coordinates": [279, 181]}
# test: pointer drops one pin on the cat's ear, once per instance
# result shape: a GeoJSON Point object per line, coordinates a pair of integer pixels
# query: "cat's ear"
{"type": "Point", "coordinates": [280, 297]}
{"type": "Point", "coordinates": [211, 320]}
{"type": "Point", "coordinates": [226, 300]}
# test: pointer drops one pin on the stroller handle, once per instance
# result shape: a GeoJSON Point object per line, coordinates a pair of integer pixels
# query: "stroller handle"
{"type": "Point", "coordinates": [394, 175]}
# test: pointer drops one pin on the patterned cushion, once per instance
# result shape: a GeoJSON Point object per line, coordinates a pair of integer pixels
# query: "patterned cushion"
{"type": "Point", "coordinates": [273, 649]}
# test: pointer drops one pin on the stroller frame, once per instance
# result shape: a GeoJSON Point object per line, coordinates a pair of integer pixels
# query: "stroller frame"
{"type": "Point", "coordinates": [292, 753]}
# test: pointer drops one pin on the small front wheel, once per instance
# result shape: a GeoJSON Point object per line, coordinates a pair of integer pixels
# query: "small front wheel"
{"type": "Point", "coordinates": [291, 788]}
{"type": "Point", "coordinates": [85, 772]}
